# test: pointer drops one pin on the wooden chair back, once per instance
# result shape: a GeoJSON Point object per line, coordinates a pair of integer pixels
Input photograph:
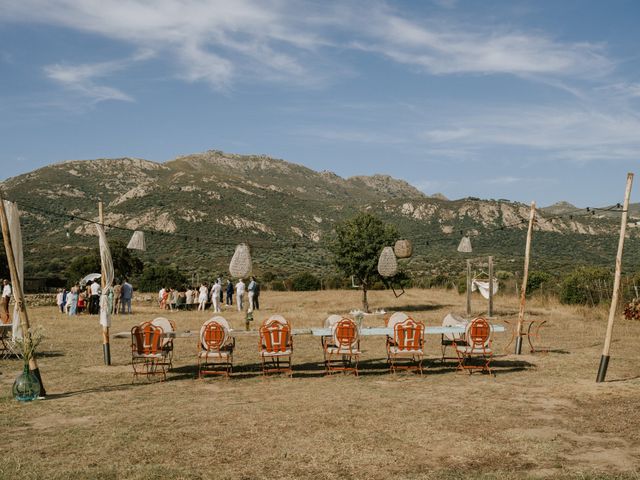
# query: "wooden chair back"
{"type": "Point", "coordinates": [213, 336]}
{"type": "Point", "coordinates": [478, 333]}
{"type": "Point", "coordinates": [409, 335]}
{"type": "Point", "coordinates": [345, 334]}
{"type": "Point", "coordinates": [275, 336]}
{"type": "Point", "coordinates": [146, 339]}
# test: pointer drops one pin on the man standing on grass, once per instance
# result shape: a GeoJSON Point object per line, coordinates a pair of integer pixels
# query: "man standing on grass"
{"type": "Point", "coordinates": [6, 298]}
{"type": "Point", "coordinates": [126, 294]}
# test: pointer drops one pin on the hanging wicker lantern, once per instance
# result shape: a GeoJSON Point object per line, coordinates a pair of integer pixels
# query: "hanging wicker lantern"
{"type": "Point", "coordinates": [137, 241]}
{"type": "Point", "coordinates": [465, 245]}
{"type": "Point", "coordinates": [403, 248]}
{"type": "Point", "coordinates": [240, 265]}
{"type": "Point", "coordinates": [387, 263]}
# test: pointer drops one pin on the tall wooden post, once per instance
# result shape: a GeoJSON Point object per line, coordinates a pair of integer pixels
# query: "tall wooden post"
{"type": "Point", "coordinates": [18, 293]}
{"type": "Point", "coordinates": [525, 278]}
{"type": "Point", "coordinates": [106, 347]}
{"type": "Point", "coordinates": [490, 312]}
{"type": "Point", "coordinates": [604, 359]}
{"type": "Point", "coordinates": [468, 288]}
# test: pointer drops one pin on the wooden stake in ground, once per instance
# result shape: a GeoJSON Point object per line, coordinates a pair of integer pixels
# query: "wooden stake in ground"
{"type": "Point", "coordinates": [106, 347]}
{"type": "Point", "coordinates": [604, 359]}
{"type": "Point", "coordinates": [18, 293]}
{"type": "Point", "coordinates": [468, 288]}
{"type": "Point", "coordinates": [490, 312]}
{"type": "Point", "coordinates": [525, 278]}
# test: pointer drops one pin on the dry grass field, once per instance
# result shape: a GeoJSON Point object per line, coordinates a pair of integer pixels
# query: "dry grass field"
{"type": "Point", "coordinates": [540, 416]}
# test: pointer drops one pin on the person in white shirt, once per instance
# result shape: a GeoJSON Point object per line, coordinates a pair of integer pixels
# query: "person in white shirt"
{"type": "Point", "coordinates": [6, 298]}
{"type": "Point", "coordinates": [60, 300]}
{"type": "Point", "coordinates": [202, 299]}
{"type": "Point", "coordinates": [240, 294]}
{"type": "Point", "coordinates": [189, 298]}
{"type": "Point", "coordinates": [252, 290]}
{"type": "Point", "coordinates": [95, 299]}
{"type": "Point", "coordinates": [215, 296]}
{"type": "Point", "coordinates": [161, 296]}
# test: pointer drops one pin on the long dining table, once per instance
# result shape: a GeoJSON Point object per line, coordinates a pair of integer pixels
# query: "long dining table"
{"type": "Point", "coordinates": [381, 331]}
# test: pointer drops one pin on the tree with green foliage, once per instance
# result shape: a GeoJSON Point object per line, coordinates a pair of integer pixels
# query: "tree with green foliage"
{"type": "Point", "coordinates": [356, 248]}
{"type": "Point", "coordinates": [125, 263]}
{"type": "Point", "coordinates": [155, 277]}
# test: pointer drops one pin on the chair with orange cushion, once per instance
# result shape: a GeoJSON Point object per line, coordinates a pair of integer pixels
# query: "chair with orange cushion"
{"type": "Point", "coordinates": [343, 352]}
{"type": "Point", "coordinates": [408, 343]}
{"type": "Point", "coordinates": [215, 348]}
{"type": "Point", "coordinates": [147, 355]}
{"type": "Point", "coordinates": [478, 346]}
{"type": "Point", "coordinates": [276, 346]}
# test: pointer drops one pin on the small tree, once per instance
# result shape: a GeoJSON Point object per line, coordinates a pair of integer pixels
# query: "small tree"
{"type": "Point", "coordinates": [125, 263]}
{"type": "Point", "coordinates": [357, 246]}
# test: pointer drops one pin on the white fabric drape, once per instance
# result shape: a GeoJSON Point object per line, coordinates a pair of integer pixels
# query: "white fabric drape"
{"type": "Point", "coordinates": [107, 268]}
{"type": "Point", "coordinates": [483, 287]}
{"type": "Point", "coordinates": [13, 218]}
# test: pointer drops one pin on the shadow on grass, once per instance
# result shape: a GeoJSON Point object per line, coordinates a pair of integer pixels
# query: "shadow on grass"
{"type": "Point", "coordinates": [104, 389]}
{"type": "Point", "coordinates": [417, 308]}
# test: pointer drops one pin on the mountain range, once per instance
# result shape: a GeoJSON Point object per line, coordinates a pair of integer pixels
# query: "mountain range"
{"type": "Point", "coordinates": [195, 208]}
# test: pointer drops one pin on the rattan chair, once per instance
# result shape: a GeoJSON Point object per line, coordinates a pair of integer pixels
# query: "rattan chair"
{"type": "Point", "coordinates": [408, 343]}
{"type": "Point", "coordinates": [276, 346]}
{"type": "Point", "coordinates": [343, 352]}
{"type": "Point", "coordinates": [147, 355]}
{"type": "Point", "coordinates": [478, 346]}
{"type": "Point", "coordinates": [168, 327]}
{"type": "Point", "coordinates": [215, 348]}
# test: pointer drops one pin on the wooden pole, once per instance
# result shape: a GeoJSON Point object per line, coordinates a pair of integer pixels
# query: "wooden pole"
{"type": "Point", "coordinates": [490, 313]}
{"type": "Point", "coordinates": [18, 293]}
{"type": "Point", "coordinates": [468, 288]}
{"type": "Point", "coordinates": [604, 359]}
{"type": "Point", "coordinates": [525, 278]}
{"type": "Point", "coordinates": [106, 347]}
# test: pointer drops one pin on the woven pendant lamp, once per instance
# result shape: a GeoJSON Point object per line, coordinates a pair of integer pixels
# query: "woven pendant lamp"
{"type": "Point", "coordinates": [465, 245]}
{"type": "Point", "coordinates": [137, 241]}
{"type": "Point", "coordinates": [403, 248]}
{"type": "Point", "coordinates": [240, 265]}
{"type": "Point", "coordinates": [387, 263]}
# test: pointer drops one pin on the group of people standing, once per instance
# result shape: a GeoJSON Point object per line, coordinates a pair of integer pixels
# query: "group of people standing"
{"type": "Point", "coordinates": [215, 295]}
{"type": "Point", "coordinates": [78, 299]}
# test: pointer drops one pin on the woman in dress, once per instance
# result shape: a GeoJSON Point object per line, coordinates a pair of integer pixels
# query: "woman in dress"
{"type": "Point", "coordinates": [202, 299]}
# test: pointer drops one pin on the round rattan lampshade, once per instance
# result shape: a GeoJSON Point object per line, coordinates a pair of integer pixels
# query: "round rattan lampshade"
{"type": "Point", "coordinates": [387, 263]}
{"type": "Point", "coordinates": [403, 248]}
{"type": "Point", "coordinates": [240, 265]}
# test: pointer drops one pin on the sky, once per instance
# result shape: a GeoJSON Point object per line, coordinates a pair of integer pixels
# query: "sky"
{"type": "Point", "coordinates": [523, 100]}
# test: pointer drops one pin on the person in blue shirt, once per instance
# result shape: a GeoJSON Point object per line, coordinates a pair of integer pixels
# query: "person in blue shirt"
{"type": "Point", "coordinates": [126, 294]}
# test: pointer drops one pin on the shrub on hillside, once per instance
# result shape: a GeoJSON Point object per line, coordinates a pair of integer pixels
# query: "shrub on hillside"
{"type": "Point", "coordinates": [537, 280]}
{"type": "Point", "coordinates": [304, 282]}
{"type": "Point", "coordinates": [586, 286]}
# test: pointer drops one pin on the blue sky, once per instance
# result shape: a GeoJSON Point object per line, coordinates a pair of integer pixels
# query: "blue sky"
{"type": "Point", "coordinates": [526, 100]}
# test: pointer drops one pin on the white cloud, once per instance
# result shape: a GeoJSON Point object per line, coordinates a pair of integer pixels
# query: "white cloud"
{"type": "Point", "coordinates": [81, 78]}
{"type": "Point", "coordinates": [560, 132]}
{"type": "Point", "coordinates": [219, 42]}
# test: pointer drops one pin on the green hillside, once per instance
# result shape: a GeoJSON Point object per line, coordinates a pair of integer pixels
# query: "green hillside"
{"type": "Point", "coordinates": [197, 207]}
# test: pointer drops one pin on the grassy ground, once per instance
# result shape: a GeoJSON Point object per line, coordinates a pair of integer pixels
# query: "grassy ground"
{"type": "Point", "coordinates": [540, 416]}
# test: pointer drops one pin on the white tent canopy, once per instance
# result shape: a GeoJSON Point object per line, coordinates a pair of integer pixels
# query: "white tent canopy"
{"type": "Point", "coordinates": [92, 277]}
